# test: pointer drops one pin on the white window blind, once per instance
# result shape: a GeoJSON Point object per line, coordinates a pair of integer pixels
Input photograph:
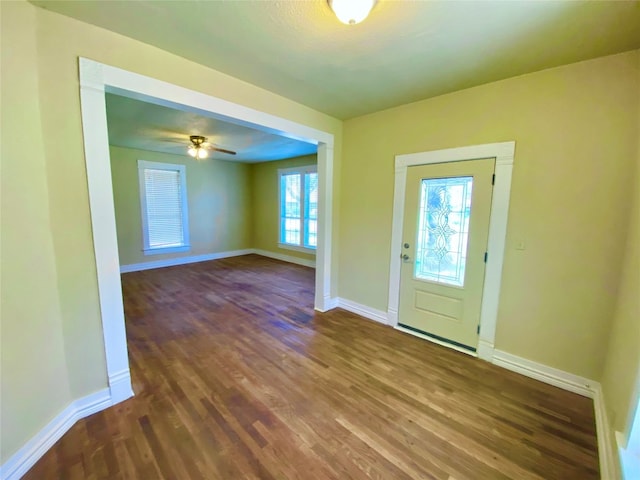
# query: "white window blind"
{"type": "Point", "coordinates": [164, 207]}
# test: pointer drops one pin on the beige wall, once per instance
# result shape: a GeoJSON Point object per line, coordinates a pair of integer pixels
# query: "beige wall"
{"type": "Point", "coordinates": [34, 382]}
{"type": "Point", "coordinates": [621, 379]}
{"type": "Point", "coordinates": [265, 204]}
{"type": "Point", "coordinates": [40, 52]}
{"type": "Point", "coordinates": [218, 202]}
{"type": "Point", "coordinates": [575, 129]}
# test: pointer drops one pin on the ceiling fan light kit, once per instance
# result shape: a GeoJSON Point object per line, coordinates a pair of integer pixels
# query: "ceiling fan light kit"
{"type": "Point", "coordinates": [351, 12]}
{"type": "Point", "coordinates": [196, 149]}
{"type": "Point", "coordinates": [197, 152]}
{"type": "Point", "coordinates": [199, 147]}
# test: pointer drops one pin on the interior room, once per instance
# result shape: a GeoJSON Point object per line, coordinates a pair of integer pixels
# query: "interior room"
{"type": "Point", "coordinates": [458, 300]}
{"type": "Point", "coordinates": [232, 196]}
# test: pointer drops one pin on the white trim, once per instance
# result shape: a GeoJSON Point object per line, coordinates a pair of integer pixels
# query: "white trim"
{"type": "Point", "coordinates": [324, 248]}
{"type": "Point", "coordinates": [504, 153]}
{"type": "Point", "coordinates": [606, 454]}
{"type": "Point", "coordinates": [120, 386]}
{"type": "Point", "coordinates": [485, 349]}
{"type": "Point", "coordinates": [285, 258]}
{"type": "Point", "coordinates": [95, 79]}
{"type": "Point", "coordinates": [170, 262]}
{"type": "Point", "coordinates": [363, 310]}
{"type": "Point", "coordinates": [553, 376]}
{"type": "Point", "coordinates": [301, 171]}
{"type": "Point", "coordinates": [148, 89]}
{"type": "Point", "coordinates": [297, 248]}
{"type": "Point", "coordinates": [103, 220]}
{"type": "Point", "coordinates": [331, 303]}
{"type": "Point", "coordinates": [21, 461]}
{"type": "Point", "coordinates": [165, 250]}
{"type": "Point", "coordinates": [576, 384]}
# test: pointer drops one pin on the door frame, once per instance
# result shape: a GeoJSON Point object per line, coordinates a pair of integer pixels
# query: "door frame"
{"type": "Point", "coordinates": [504, 154]}
{"type": "Point", "coordinates": [95, 80]}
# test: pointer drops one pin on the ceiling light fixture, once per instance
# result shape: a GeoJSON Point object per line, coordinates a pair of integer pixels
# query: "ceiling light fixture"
{"type": "Point", "coordinates": [196, 150]}
{"type": "Point", "coordinates": [351, 11]}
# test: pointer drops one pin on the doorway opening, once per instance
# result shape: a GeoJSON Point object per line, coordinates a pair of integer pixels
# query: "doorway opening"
{"type": "Point", "coordinates": [96, 79]}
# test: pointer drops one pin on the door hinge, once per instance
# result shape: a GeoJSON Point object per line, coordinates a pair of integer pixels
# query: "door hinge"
{"type": "Point", "coordinates": [478, 330]}
{"type": "Point", "coordinates": [486, 255]}
{"type": "Point", "coordinates": [493, 179]}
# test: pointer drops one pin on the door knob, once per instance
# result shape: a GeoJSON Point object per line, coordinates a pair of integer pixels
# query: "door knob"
{"type": "Point", "coordinates": [405, 257]}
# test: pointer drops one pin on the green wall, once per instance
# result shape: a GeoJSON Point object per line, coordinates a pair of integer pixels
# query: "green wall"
{"type": "Point", "coordinates": [621, 379]}
{"type": "Point", "coordinates": [218, 196]}
{"type": "Point", "coordinates": [264, 201]}
{"type": "Point", "coordinates": [576, 131]}
{"type": "Point", "coordinates": [34, 383]}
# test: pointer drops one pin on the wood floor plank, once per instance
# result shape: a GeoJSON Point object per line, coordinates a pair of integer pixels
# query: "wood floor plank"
{"type": "Point", "coordinates": [237, 377]}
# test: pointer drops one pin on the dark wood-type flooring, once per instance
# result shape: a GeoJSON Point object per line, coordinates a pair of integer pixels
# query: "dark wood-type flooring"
{"type": "Point", "coordinates": [236, 377]}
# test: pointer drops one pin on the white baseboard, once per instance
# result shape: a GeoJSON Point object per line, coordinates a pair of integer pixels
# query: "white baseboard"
{"type": "Point", "coordinates": [120, 386]}
{"type": "Point", "coordinates": [363, 310]}
{"type": "Point", "coordinates": [392, 317]}
{"type": "Point", "coordinates": [606, 454]}
{"type": "Point", "coordinates": [285, 258]}
{"type": "Point", "coordinates": [576, 384]}
{"type": "Point", "coordinates": [486, 350]}
{"type": "Point", "coordinates": [21, 461]}
{"type": "Point", "coordinates": [171, 262]}
{"type": "Point", "coordinates": [552, 376]}
{"type": "Point", "coordinates": [329, 304]}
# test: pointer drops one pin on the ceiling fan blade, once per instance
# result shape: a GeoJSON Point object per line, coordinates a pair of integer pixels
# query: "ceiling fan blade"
{"type": "Point", "coordinates": [165, 138]}
{"type": "Point", "coordinates": [230, 152]}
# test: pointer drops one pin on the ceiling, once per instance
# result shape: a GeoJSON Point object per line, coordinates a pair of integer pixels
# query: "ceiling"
{"type": "Point", "coordinates": [146, 126]}
{"type": "Point", "coordinates": [405, 51]}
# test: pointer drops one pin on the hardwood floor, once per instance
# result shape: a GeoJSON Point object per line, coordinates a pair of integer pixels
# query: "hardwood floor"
{"type": "Point", "coordinates": [236, 377]}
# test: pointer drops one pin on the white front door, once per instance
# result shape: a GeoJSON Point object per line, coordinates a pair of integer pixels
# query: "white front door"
{"type": "Point", "coordinates": [445, 232]}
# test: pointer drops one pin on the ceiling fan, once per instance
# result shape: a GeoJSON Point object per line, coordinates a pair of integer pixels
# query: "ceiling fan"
{"type": "Point", "coordinates": [199, 147]}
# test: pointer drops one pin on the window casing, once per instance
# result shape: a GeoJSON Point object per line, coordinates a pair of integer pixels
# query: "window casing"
{"type": "Point", "coordinates": [298, 201]}
{"type": "Point", "coordinates": [163, 204]}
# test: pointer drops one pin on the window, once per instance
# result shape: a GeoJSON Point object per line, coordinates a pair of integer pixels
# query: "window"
{"type": "Point", "coordinates": [443, 229]}
{"type": "Point", "coordinates": [163, 202]}
{"type": "Point", "coordinates": [298, 207]}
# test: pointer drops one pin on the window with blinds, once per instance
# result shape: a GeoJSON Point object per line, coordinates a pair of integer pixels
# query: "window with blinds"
{"type": "Point", "coordinates": [163, 200]}
{"type": "Point", "coordinates": [298, 207]}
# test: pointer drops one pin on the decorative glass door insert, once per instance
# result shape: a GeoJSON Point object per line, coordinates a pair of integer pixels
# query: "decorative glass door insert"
{"type": "Point", "coordinates": [443, 230]}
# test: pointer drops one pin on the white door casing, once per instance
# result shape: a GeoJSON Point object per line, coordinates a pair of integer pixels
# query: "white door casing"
{"type": "Point", "coordinates": [504, 153]}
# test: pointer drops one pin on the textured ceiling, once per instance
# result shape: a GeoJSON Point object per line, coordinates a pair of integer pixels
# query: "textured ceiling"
{"type": "Point", "coordinates": [405, 51]}
{"type": "Point", "coordinates": [146, 126]}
